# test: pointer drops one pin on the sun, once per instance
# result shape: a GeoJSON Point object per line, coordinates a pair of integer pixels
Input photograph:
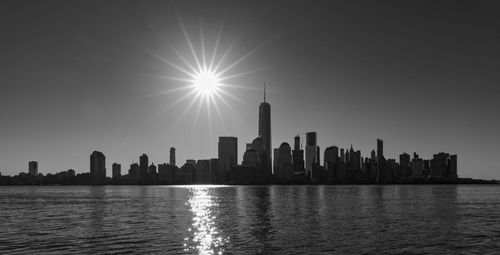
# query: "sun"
{"type": "Point", "coordinates": [206, 83]}
{"type": "Point", "coordinates": [204, 73]}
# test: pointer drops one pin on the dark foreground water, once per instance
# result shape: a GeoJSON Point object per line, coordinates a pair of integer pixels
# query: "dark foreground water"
{"type": "Point", "coordinates": [250, 219]}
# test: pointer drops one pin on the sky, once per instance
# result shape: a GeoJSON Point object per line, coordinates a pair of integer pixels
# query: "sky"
{"type": "Point", "coordinates": [79, 76]}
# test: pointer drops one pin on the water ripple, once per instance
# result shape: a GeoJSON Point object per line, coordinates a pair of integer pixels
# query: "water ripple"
{"type": "Point", "coordinates": [440, 219]}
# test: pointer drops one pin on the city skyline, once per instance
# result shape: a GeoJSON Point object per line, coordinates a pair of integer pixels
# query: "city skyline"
{"type": "Point", "coordinates": [340, 166]}
{"type": "Point", "coordinates": [422, 84]}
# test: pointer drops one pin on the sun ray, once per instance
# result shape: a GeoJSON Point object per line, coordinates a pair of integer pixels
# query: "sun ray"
{"type": "Point", "coordinates": [216, 46]}
{"type": "Point", "coordinates": [232, 96]}
{"type": "Point", "coordinates": [188, 108]}
{"type": "Point", "coordinates": [202, 42]}
{"type": "Point", "coordinates": [168, 91]}
{"type": "Point", "coordinates": [169, 63]}
{"type": "Point", "coordinates": [235, 63]}
{"type": "Point", "coordinates": [186, 35]}
{"type": "Point", "coordinates": [221, 98]}
{"type": "Point", "coordinates": [183, 59]}
{"type": "Point", "coordinates": [224, 56]}
{"type": "Point", "coordinates": [177, 53]}
{"type": "Point", "coordinates": [218, 110]}
{"type": "Point", "coordinates": [237, 75]}
{"type": "Point", "coordinates": [200, 103]}
{"type": "Point", "coordinates": [171, 78]}
{"type": "Point", "coordinates": [180, 99]}
{"type": "Point", "coordinates": [209, 117]}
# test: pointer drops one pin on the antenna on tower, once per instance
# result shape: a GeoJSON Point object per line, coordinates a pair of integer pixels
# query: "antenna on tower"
{"type": "Point", "coordinates": [264, 92]}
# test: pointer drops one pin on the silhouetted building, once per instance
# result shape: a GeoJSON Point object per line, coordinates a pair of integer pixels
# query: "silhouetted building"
{"type": "Point", "coordinates": [265, 131]}
{"type": "Point", "coordinates": [263, 170]}
{"type": "Point", "coordinates": [98, 168]}
{"type": "Point", "coordinates": [404, 164]}
{"type": "Point", "coordinates": [380, 148]}
{"type": "Point", "coordinates": [134, 170]}
{"type": "Point", "coordinates": [33, 168]}
{"type": "Point", "coordinates": [203, 171]}
{"type": "Point", "coordinates": [297, 157]}
{"type": "Point", "coordinates": [453, 167]}
{"type": "Point", "coordinates": [152, 169]}
{"type": "Point", "coordinates": [166, 173]}
{"type": "Point", "coordinates": [417, 166]}
{"type": "Point", "coordinates": [330, 161]}
{"type": "Point", "coordinates": [152, 177]}
{"type": "Point", "coordinates": [439, 164]}
{"type": "Point", "coordinates": [331, 156]}
{"type": "Point", "coordinates": [311, 152]}
{"type": "Point", "coordinates": [296, 143]}
{"type": "Point", "coordinates": [185, 174]}
{"type": "Point", "coordinates": [216, 174]}
{"type": "Point", "coordinates": [275, 161]}
{"type": "Point", "coordinates": [353, 159]}
{"type": "Point", "coordinates": [172, 156]}
{"type": "Point", "coordinates": [342, 155]}
{"type": "Point", "coordinates": [340, 173]}
{"type": "Point", "coordinates": [117, 170]}
{"type": "Point", "coordinates": [143, 167]}
{"type": "Point", "coordinates": [243, 175]}
{"type": "Point", "coordinates": [228, 152]}
{"type": "Point", "coordinates": [285, 170]}
{"type": "Point", "coordinates": [250, 157]}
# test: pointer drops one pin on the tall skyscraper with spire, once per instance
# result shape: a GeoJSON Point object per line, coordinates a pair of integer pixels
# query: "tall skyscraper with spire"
{"type": "Point", "coordinates": [265, 128]}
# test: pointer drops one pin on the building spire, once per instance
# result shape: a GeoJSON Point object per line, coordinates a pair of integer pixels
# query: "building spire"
{"type": "Point", "coordinates": [264, 92]}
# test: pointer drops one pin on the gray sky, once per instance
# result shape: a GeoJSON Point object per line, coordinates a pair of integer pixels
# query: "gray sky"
{"type": "Point", "coordinates": [78, 76]}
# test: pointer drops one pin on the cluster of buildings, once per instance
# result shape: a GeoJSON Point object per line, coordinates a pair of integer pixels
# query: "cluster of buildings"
{"type": "Point", "coordinates": [300, 165]}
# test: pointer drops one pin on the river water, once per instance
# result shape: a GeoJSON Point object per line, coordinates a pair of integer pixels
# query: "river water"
{"type": "Point", "coordinates": [392, 219]}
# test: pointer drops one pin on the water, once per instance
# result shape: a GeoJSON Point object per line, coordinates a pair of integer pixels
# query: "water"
{"type": "Point", "coordinates": [391, 219]}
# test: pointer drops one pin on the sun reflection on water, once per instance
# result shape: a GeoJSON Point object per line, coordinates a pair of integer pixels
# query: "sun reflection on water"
{"type": "Point", "coordinates": [204, 238]}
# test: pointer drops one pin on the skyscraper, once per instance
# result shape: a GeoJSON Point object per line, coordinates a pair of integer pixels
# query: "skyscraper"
{"type": "Point", "coordinates": [116, 168]}
{"type": "Point", "coordinates": [311, 152]}
{"type": "Point", "coordinates": [331, 155]}
{"type": "Point", "coordinates": [134, 170]}
{"type": "Point", "coordinates": [98, 168]}
{"type": "Point", "coordinates": [284, 161]}
{"type": "Point", "coordinates": [265, 127]}
{"type": "Point", "coordinates": [143, 167]}
{"type": "Point", "coordinates": [404, 164]}
{"type": "Point", "coordinates": [380, 148]}
{"type": "Point", "coordinates": [298, 156]}
{"type": "Point", "coordinates": [33, 168]}
{"type": "Point", "coordinates": [172, 156]}
{"type": "Point", "coordinates": [228, 152]}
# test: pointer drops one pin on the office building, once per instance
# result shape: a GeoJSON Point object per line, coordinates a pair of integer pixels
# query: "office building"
{"type": "Point", "coordinates": [98, 168]}
{"type": "Point", "coordinates": [116, 171]}
{"type": "Point", "coordinates": [33, 168]}
{"type": "Point", "coordinates": [228, 152]}
{"type": "Point", "coordinates": [134, 170]}
{"type": "Point", "coordinates": [297, 157]}
{"type": "Point", "coordinates": [172, 156]}
{"type": "Point", "coordinates": [311, 152]}
{"type": "Point", "coordinates": [143, 167]}
{"type": "Point", "coordinates": [284, 162]}
{"type": "Point", "coordinates": [404, 164]}
{"type": "Point", "coordinates": [265, 131]}
{"type": "Point", "coordinates": [380, 149]}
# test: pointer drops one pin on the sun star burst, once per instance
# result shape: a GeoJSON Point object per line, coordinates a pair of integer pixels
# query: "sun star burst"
{"type": "Point", "coordinates": [206, 83]}
{"type": "Point", "coordinates": [205, 75]}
